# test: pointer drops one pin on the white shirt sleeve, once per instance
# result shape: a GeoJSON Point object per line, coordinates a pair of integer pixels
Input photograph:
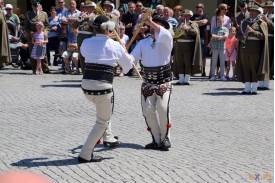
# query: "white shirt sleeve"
{"type": "Point", "coordinates": [136, 52]}
{"type": "Point", "coordinates": [226, 32]}
{"type": "Point", "coordinates": [125, 60]}
{"type": "Point", "coordinates": [164, 37]}
{"type": "Point", "coordinates": [83, 49]}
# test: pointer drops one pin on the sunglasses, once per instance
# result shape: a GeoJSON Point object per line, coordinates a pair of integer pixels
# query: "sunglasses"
{"type": "Point", "coordinates": [60, 2]}
{"type": "Point", "coordinates": [199, 7]}
{"type": "Point", "coordinates": [8, 9]}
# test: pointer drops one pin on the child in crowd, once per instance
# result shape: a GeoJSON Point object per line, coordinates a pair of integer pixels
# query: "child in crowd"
{"type": "Point", "coordinates": [124, 38]}
{"type": "Point", "coordinates": [217, 44]}
{"type": "Point", "coordinates": [71, 53]}
{"type": "Point", "coordinates": [39, 41]}
{"type": "Point", "coordinates": [231, 51]}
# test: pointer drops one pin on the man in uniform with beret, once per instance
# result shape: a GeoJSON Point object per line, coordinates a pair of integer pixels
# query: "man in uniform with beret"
{"type": "Point", "coordinates": [5, 56]}
{"type": "Point", "coordinates": [268, 17]}
{"type": "Point", "coordinates": [84, 28]}
{"type": "Point", "coordinates": [188, 55]}
{"type": "Point", "coordinates": [253, 55]}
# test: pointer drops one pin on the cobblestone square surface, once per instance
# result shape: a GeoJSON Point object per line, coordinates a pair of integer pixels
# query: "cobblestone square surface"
{"type": "Point", "coordinates": [217, 134]}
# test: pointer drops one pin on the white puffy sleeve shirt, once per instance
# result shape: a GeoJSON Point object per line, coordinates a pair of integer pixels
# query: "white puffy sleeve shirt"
{"type": "Point", "coordinates": [154, 54]}
{"type": "Point", "coordinates": [100, 49]}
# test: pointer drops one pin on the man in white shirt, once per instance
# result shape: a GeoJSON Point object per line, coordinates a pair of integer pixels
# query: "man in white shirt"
{"type": "Point", "coordinates": [154, 52]}
{"type": "Point", "coordinates": [97, 82]}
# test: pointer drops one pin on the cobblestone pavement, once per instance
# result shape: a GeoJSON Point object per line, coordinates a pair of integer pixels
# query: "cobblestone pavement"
{"type": "Point", "coordinates": [217, 135]}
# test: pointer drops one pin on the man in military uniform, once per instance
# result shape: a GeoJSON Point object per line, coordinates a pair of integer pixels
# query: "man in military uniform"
{"type": "Point", "coordinates": [268, 17]}
{"type": "Point", "coordinates": [188, 55]}
{"type": "Point", "coordinates": [32, 17]}
{"type": "Point", "coordinates": [84, 28]}
{"type": "Point", "coordinates": [253, 56]}
{"type": "Point", "coordinates": [5, 56]}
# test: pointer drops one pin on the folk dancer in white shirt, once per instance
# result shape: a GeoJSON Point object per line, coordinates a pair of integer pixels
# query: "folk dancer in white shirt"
{"type": "Point", "coordinates": [154, 52]}
{"type": "Point", "coordinates": [101, 54]}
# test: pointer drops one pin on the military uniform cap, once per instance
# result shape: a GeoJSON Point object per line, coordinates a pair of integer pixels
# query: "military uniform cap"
{"type": "Point", "coordinates": [257, 8]}
{"type": "Point", "coordinates": [108, 2]}
{"type": "Point", "coordinates": [267, 4]}
{"type": "Point", "coordinates": [187, 12]}
{"type": "Point", "coordinates": [90, 4]}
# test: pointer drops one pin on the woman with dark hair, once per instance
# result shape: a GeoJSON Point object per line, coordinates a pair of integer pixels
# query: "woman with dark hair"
{"type": "Point", "coordinates": [53, 34]}
{"type": "Point", "coordinates": [221, 11]}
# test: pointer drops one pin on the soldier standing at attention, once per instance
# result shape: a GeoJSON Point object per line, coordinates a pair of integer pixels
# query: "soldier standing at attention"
{"type": "Point", "coordinates": [253, 56]}
{"type": "Point", "coordinates": [188, 55]}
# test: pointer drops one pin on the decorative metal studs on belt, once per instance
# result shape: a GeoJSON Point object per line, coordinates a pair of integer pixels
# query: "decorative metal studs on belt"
{"type": "Point", "coordinates": [102, 92]}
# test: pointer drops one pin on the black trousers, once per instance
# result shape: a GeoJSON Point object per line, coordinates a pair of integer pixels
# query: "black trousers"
{"type": "Point", "coordinates": [53, 45]}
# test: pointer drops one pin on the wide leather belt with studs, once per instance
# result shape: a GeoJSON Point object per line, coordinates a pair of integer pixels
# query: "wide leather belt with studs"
{"type": "Point", "coordinates": [97, 92]}
{"type": "Point", "coordinates": [157, 75]}
{"type": "Point", "coordinates": [99, 72]}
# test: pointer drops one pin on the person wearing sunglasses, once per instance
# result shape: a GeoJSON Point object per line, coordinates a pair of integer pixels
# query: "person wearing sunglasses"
{"type": "Point", "coordinates": [221, 11]}
{"type": "Point", "coordinates": [12, 16]}
{"type": "Point", "coordinates": [61, 10]}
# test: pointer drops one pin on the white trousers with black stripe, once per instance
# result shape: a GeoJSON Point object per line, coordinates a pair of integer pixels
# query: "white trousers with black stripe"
{"type": "Point", "coordinates": [102, 127]}
{"type": "Point", "coordinates": [155, 109]}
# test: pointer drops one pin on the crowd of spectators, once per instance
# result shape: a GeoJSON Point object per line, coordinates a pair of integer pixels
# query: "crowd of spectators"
{"type": "Point", "coordinates": [61, 32]}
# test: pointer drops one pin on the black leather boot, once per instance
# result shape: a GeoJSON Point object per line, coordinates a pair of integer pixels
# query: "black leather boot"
{"type": "Point", "coordinates": [93, 159]}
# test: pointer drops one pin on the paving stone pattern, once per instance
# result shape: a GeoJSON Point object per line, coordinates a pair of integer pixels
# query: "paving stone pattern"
{"type": "Point", "coordinates": [217, 134]}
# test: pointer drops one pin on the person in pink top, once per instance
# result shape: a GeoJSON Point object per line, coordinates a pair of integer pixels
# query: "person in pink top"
{"type": "Point", "coordinates": [231, 51]}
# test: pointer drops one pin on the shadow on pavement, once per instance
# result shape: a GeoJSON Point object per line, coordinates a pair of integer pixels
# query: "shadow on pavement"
{"type": "Point", "coordinates": [198, 78]}
{"type": "Point", "coordinates": [16, 73]}
{"type": "Point", "coordinates": [237, 89]}
{"type": "Point", "coordinates": [68, 81]}
{"type": "Point", "coordinates": [62, 86]}
{"type": "Point", "coordinates": [224, 93]}
{"type": "Point", "coordinates": [38, 162]}
{"type": "Point", "coordinates": [101, 147]}
{"type": "Point", "coordinates": [122, 145]}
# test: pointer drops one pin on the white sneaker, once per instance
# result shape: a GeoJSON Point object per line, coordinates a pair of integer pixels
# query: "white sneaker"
{"type": "Point", "coordinates": [223, 78]}
{"type": "Point", "coordinates": [212, 78]}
